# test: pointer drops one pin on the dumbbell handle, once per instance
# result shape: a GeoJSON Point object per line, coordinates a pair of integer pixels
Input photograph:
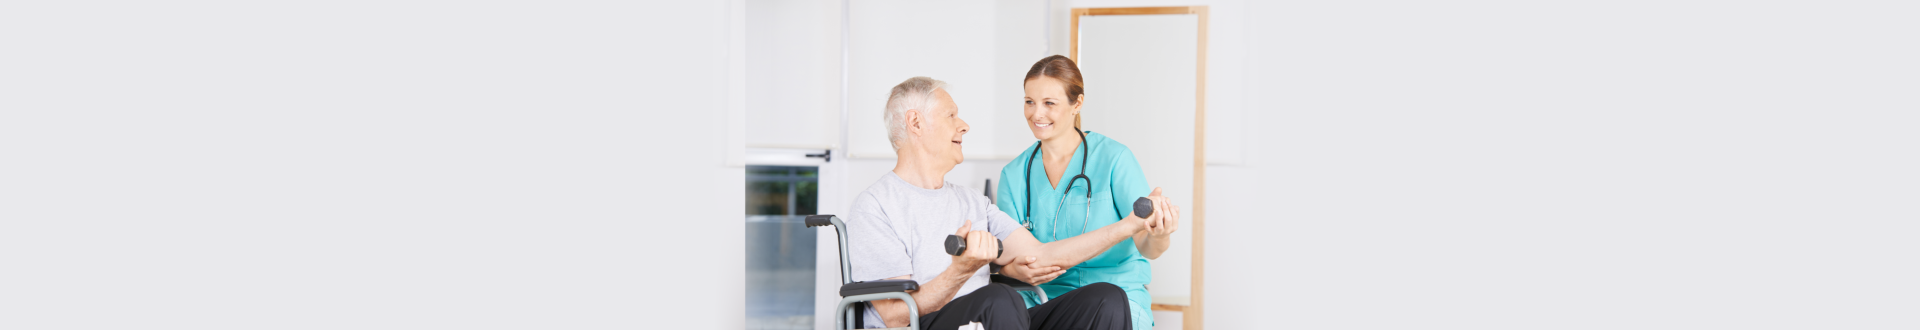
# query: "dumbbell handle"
{"type": "Point", "coordinates": [1143, 207]}
{"type": "Point", "coordinates": [957, 245]}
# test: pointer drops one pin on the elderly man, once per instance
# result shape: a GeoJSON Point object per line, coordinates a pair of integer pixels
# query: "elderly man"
{"type": "Point", "coordinates": [897, 228]}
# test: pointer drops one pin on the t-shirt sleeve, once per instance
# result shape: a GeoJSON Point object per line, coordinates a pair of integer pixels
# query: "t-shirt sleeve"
{"type": "Point", "coordinates": [1129, 182]}
{"type": "Point", "coordinates": [999, 223]}
{"type": "Point", "coordinates": [873, 246]}
{"type": "Point", "coordinates": [1008, 199]}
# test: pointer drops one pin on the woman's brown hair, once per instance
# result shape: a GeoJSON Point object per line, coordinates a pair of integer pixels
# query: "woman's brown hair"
{"type": "Point", "coordinates": [1060, 67]}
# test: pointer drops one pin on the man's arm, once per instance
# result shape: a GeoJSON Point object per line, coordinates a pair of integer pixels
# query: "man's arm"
{"type": "Point", "coordinates": [1152, 236]}
{"type": "Point", "coordinates": [935, 293]}
{"type": "Point", "coordinates": [931, 297]}
{"type": "Point", "coordinates": [1070, 251]}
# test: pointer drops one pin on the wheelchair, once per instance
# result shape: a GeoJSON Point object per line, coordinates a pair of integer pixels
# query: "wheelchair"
{"type": "Point", "coordinates": [855, 295]}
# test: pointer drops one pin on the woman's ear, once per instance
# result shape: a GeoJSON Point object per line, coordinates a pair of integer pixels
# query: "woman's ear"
{"type": "Point", "coordinates": [1082, 100]}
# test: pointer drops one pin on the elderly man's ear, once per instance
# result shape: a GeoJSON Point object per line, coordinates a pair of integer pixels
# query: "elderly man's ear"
{"type": "Point", "coordinates": [912, 116]}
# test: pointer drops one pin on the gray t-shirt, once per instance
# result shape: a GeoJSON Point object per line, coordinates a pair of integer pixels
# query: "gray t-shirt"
{"type": "Point", "coordinates": [896, 228]}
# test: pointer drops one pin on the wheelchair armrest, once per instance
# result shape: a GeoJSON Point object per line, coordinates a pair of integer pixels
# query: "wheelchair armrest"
{"type": "Point", "coordinates": [878, 286]}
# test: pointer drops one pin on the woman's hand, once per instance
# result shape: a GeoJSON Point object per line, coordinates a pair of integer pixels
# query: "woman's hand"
{"type": "Point", "coordinates": [1025, 270]}
{"type": "Point", "coordinates": [1166, 216]}
{"type": "Point", "coordinates": [1158, 236]}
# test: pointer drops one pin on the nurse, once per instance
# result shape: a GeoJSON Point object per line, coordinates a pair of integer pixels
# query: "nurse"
{"type": "Point", "coordinates": [1072, 181]}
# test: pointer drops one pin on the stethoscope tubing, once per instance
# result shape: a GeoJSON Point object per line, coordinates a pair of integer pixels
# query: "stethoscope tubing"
{"type": "Point", "coordinates": [1058, 207]}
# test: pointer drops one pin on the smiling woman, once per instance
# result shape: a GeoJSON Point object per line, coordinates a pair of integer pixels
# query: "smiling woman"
{"type": "Point", "coordinates": [1066, 207]}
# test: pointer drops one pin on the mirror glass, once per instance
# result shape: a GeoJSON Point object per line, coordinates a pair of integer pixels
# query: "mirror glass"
{"type": "Point", "coordinates": [1140, 73]}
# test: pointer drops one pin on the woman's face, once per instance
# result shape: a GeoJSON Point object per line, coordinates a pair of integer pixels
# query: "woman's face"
{"type": "Point", "coordinates": [1049, 114]}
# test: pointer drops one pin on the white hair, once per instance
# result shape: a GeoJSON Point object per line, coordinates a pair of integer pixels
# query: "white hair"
{"type": "Point", "coordinates": [914, 94]}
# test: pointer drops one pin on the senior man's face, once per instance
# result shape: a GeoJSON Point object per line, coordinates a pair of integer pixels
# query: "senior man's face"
{"type": "Point", "coordinates": [944, 127]}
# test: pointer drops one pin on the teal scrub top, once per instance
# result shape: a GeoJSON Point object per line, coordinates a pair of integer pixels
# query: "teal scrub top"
{"type": "Point", "coordinates": [1116, 181]}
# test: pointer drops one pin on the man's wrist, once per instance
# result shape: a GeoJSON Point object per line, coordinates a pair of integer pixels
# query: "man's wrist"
{"type": "Point", "coordinates": [966, 267]}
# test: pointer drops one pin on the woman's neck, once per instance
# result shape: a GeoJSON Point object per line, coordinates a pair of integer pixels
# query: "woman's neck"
{"type": "Point", "coordinates": [1060, 147]}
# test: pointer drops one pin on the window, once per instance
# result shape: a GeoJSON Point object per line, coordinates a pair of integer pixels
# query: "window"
{"type": "Point", "coordinates": [780, 248]}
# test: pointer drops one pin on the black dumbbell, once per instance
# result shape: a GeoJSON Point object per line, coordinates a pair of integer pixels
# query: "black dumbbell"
{"type": "Point", "coordinates": [957, 245]}
{"type": "Point", "coordinates": [1143, 207]}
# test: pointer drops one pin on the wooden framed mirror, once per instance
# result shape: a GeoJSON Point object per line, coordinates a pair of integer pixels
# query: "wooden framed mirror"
{"type": "Point", "coordinates": [1145, 70]}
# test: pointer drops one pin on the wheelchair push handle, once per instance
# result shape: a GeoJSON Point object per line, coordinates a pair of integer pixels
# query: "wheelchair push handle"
{"type": "Point", "coordinates": [957, 245]}
{"type": "Point", "coordinates": [819, 220]}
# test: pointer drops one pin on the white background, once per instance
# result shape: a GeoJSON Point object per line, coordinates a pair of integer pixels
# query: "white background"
{"type": "Point", "coordinates": [1496, 165]}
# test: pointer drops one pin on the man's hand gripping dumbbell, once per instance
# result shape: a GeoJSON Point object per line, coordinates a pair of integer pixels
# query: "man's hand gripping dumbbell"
{"type": "Point", "coordinates": [958, 244]}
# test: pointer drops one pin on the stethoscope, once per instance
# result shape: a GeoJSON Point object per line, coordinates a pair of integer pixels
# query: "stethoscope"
{"type": "Point", "coordinates": [1063, 196]}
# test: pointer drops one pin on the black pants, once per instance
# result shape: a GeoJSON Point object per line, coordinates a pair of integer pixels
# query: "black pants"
{"type": "Point", "coordinates": [1096, 306]}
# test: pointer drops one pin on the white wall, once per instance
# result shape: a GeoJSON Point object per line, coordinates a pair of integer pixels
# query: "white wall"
{"type": "Point", "coordinates": [367, 165]}
{"type": "Point", "coordinates": [793, 73]}
{"type": "Point", "coordinates": [890, 44]}
{"type": "Point", "coordinates": [1640, 164]}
